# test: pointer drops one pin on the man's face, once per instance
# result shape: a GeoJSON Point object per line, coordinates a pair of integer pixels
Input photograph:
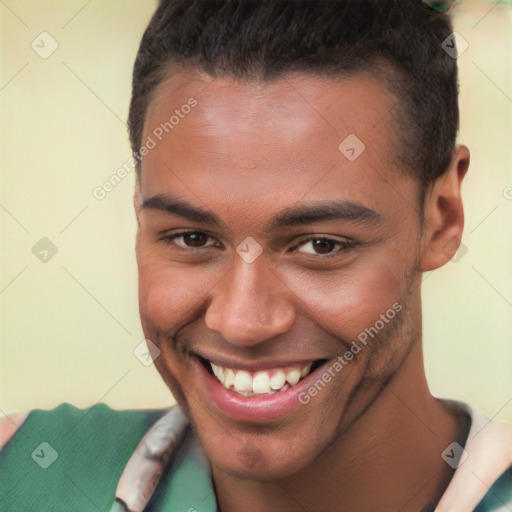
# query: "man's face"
{"type": "Point", "coordinates": [256, 158]}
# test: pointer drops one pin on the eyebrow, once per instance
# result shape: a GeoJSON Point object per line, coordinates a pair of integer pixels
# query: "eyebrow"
{"type": "Point", "coordinates": [298, 215]}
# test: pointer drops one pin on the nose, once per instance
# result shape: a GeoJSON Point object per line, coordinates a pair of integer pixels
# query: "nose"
{"type": "Point", "coordinates": [250, 304]}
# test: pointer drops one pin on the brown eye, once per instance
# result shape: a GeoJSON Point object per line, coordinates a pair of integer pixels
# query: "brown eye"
{"type": "Point", "coordinates": [325, 246]}
{"type": "Point", "coordinates": [194, 239]}
{"type": "Point", "coordinates": [189, 240]}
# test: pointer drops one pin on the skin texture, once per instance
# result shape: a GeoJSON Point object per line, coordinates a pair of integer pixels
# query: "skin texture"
{"type": "Point", "coordinates": [245, 153]}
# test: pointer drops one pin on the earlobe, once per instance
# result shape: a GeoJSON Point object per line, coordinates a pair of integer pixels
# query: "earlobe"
{"type": "Point", "coordinates": [443, 222]}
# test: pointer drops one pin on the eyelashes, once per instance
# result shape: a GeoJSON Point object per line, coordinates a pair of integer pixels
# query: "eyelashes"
{"type": "Point", "coordinates": [344, 245]}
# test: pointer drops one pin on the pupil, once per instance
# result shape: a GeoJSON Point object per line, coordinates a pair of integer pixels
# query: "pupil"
{"type": "Point", "coordinates": [194, 239]}
{"type": "Point", "coordinates": [324, 246]}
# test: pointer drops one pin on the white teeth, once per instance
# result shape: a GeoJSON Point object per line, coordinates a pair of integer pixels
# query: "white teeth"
{"type": "Point", "coordinates": [261, 382]}
{"type": "Point", "coordinates": [243, 381]}
{"type": "Point", "coordinates": [218, 371]}
{"type": "Point", "coordinates": [229, 378]}
{"type": "Point", "coordinates": [277, 380]}
{"type": "Point", "coordinates": [293, 376]}
{"type": "Point", "coordinates": [306, 370]}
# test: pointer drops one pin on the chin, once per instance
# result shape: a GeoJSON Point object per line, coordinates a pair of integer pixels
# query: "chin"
{"type": "Point", "coordinates": [249, 463]}
{"type": "Point", "coordinates": [263, 455]}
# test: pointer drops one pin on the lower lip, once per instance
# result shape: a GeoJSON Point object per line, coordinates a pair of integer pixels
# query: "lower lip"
{"type": "Point", "coordinates": [254, 408]}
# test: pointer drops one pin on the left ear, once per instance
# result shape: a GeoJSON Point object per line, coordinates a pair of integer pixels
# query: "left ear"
{"type": "Point", "coordinates": [443, 214]}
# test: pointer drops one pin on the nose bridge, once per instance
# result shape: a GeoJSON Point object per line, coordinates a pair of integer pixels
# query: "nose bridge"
{"type": "Point", "coordinates": [250, 304]}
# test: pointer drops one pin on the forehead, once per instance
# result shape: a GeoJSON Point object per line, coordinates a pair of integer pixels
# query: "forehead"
{"type": "Point", "coordinates": [294, 102]}
{"type": "Point", "coordinates": [243, 140]}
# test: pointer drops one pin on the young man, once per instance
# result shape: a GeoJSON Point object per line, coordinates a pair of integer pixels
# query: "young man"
{"type": "Point", "coordinates": [297, 173]}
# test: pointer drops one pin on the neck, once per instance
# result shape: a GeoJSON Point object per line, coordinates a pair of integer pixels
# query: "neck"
{"type": "Point", "coordinates": [389, 458]}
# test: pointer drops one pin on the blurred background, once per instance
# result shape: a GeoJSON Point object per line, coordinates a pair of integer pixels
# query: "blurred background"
{"type": "Point", "coordinates": [69, 322]}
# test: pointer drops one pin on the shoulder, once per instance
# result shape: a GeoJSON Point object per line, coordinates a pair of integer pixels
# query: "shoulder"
{"type": "Point", "coordinates": [499, 496]}
{"type": "Point", "coordinates": [9, 425]}
{"type": "Point", "coordinates": [66, 416]}
{"type": "Point", "coordinates": [483, 477]}
{"type": "Point", "coordinates": [67, 457]}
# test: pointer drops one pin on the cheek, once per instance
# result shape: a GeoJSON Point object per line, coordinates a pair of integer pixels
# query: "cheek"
{"type": "Point", "coordinates": [163, 296]}
{"type": "Point", "coordinates": [171, 295]}
{"type": "Point", "coordinates": [163, 309]}
{"type": "Point", "coordinates": [347, 302]}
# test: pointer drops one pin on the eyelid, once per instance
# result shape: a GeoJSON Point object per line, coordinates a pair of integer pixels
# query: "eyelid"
{"type": "Point", "coordinates": [347, 243]}
{"type": "Point", "coordinates": [169, 238]}
{"type": "Point", "coordinates": [330, 238]}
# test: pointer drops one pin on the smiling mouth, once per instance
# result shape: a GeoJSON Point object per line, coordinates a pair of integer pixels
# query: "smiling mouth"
{"type": "Point", "coordinates": [261, 382]}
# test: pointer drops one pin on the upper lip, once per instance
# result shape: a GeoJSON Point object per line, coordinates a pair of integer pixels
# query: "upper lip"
{"type": "Point", "coordinates": [255, 364]}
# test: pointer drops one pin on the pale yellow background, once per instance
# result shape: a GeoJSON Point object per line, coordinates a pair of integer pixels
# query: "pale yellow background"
{"type": "Point", "coordinates": [69, 326]}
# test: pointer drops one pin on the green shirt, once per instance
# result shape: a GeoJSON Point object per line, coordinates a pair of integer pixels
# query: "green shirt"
{"type": "Point", "coordinates": [70, 460]}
